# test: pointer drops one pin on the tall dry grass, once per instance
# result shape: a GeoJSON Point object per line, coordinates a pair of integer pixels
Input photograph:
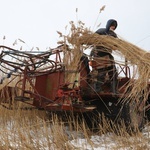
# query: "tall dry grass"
{"type": "Point", "coordinates": [34, 129]}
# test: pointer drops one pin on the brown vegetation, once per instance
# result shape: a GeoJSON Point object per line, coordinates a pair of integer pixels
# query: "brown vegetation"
{"type": "Point", "coordinates": [32, 129]}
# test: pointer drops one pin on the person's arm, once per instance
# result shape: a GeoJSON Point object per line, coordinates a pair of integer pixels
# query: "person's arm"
{"type": "Point", "coordinates": [101, 31]}
{"type": "Point", "coordinates": [111, 33]}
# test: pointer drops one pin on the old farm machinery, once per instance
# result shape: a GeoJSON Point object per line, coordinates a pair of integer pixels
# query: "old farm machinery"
{"type": "Point", "coordinates": [38, 79]}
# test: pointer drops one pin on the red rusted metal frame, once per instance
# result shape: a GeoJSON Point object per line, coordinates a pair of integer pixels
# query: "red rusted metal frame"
{"type": "Point", "coordinates": [69, 100]}
{"type": "Point", "coordinates": [68, 96]}
{"type": "Point", "coordinates": [23, 88]}
{"type": "Point", "coordinates": [64, 102]}
{"type": "Point", "coordinates": [24, 81]}
{"type": "Point", "coordinates": [58, 57]}
{"type": "Point", "coordinates": [27, 77]}
{"type": "Point", "coordinates": [126, 71]}
{"type": "Point", "coordinates": [31, 57]}
{"type": "Point", "coordinates": [9, 63]}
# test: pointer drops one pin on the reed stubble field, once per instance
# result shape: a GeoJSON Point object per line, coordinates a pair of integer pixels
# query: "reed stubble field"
{"type": "Point", "coordinates": [34, 129]}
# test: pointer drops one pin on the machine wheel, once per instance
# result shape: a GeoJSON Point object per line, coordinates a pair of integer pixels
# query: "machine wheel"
{"type": "Point", "coordinates": [134, 118]}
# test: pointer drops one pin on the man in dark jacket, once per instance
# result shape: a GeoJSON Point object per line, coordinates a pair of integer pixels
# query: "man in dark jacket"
{"type": "Point", "coordinates": [102, 52]}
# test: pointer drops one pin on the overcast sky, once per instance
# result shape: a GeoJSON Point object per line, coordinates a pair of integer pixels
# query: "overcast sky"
{"type": "Point", "coordinates": [36, 21]}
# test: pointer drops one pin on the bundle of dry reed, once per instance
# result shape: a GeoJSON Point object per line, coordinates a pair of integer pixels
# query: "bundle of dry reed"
{"type": "Point", "coordinates": [80, 38]}
{"type": "Point", "coordinates": [135, 55]}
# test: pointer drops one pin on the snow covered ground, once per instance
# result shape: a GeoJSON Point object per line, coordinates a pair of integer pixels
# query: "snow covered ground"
{"type": "Point", "coordinates": [110, 141]}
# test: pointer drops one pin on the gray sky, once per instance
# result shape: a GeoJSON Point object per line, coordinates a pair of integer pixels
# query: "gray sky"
{"type": "Point", "coordinates": [36, 21]}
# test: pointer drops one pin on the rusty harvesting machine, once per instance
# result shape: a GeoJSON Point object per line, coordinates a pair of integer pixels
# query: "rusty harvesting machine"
{"type": "Point", "coordinates": [42, 79]}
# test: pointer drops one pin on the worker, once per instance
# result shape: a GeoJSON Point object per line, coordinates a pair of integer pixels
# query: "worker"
{"type": "Point", "coordinates": [106, 54]}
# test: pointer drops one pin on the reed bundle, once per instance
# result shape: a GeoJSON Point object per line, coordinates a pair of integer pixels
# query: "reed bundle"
{"type": "Point", "coordinates": [80, 38]}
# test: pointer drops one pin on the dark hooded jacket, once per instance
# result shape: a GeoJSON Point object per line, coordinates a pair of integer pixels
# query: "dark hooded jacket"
{"type": "Point", "coordinates": [105, 31]}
